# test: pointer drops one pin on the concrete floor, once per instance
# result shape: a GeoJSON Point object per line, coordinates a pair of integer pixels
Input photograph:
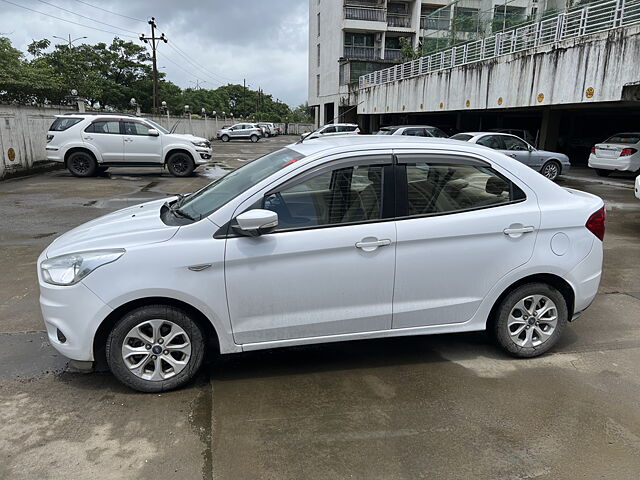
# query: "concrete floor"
{"type": "Point", "coordinates": [442, 407]}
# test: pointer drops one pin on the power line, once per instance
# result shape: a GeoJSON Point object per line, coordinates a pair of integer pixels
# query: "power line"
{"type": "Point", "coordinates": [109, 11]}
{"type": "Point", "coordinates": [218, 79]}
{"type": "Point", "coordinates": [68, 21]}
{"type": "Point", "coordinates": [196, 64]}
{"type": "Point", "coordinates": [190, 73]}
{"type": "Point", "coordinates": [88, 18]}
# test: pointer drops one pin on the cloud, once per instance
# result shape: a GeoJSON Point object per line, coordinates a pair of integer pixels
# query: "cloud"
{"type": "Point", "coordinates": [264, 42]}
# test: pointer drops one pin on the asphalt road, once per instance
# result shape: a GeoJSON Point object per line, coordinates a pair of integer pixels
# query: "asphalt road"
{"type": "Point", "coordinates": [441, 407]}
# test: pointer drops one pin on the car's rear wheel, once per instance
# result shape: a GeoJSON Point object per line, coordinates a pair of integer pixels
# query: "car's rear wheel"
{"type": "Point", "coordinates": [225, 138]}
{"type": "Point", "coordinates": [180, 164]}
{"type": "Point", "coordinates": [155, 348]}
{"type": "Point", "coordinates": [82, 164]}
{"type": "Point", "coordinates": [254, 138]}
{"type": "Point", "coordinates": [551, 170]}
{"type": "Point", "coordinates": [602, 173]}
{"type": "Point", "coordinates": [530, 320]}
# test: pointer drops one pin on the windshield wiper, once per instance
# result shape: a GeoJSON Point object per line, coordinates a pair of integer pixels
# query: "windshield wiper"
{"type": "Point", "coordinates": [180, 213]}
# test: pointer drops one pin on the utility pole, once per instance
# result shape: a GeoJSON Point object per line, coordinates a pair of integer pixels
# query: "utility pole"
{"type": "Point", "coordinates": [154, 46]}
{"type": "Point", "coordinates": [244, 96]}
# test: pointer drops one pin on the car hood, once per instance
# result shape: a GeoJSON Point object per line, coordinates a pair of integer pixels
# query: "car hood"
{"type": "Point", "coordinates": [187, 136]}
{"type": "Point", "coordinates": [132, 226]}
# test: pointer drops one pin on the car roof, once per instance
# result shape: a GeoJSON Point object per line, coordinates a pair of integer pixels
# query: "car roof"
{"type": "Point", "coordinates": [97, 114]}
{"type": "Point", "coordinates": [340, 125]}
{"type": "Point", "coordinates": [477, 134]}
{"type": "Point", "coordinates": [407, 126]}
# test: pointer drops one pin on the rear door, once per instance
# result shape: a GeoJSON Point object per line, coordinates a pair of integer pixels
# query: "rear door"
{"type": "Point", "coordinates": [463, 226]}
{"type": "Point", "coordinates": [139, 146]}
{"type": "Point", "coordinates": [106, 137]}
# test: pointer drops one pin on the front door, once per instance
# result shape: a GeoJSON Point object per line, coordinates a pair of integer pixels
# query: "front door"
{"type": "Point", "coordinates": [139, 146]}
{"type": "Point", "coordinates": [105, 136]}
{"type": "Point", "coordinates": [519, 149]}
{"type": "Point", "coordinates": [465, 227]}
{"type": "Point", "coordinates": [327, 269]}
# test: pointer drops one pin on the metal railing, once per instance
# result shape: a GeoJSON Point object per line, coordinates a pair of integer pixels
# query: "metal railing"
{"type": "Point", "coordinates": [594, 18]}
{"type": "Point", "coordinates": [365, 53]}
{"type": "Point", "coordinates": [396, 20]}
{"type": "Point", "coordinates": [365, 13]}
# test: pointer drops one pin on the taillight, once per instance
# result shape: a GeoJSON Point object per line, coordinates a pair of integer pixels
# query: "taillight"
{"type": "Point", "coordinates": [593, 149]}
{"type": "Point", "coordinates": [49, 138]}
{"type": "Point", "coordinates": [627, 151]}
{"type": "Point", "coordinates": [595, 224]}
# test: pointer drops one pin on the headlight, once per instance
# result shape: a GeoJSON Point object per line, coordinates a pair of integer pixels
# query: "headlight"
{"type": "Point", "coordinates": [70, 269]}
{"type": "Point", "coordinates": [203, 144]}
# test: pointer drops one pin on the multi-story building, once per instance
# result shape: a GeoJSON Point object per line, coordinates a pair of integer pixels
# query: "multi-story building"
{"type": "Point", "coordinates": [350, 38]}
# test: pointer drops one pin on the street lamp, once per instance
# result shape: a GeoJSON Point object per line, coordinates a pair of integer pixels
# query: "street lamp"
{"type": "Point", "coordinates": [165, 109]}
{"type": "Point", "coordinates": [69, 41]}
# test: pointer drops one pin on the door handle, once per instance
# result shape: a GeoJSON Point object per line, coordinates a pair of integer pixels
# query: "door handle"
{"type": "Point", "coordinates": [513, 155]}
{"type": "Point", "coordinates": [128, 139]}
{"type": "Point", "coordinates": [369, 245]}
{"type": "Point", "coordinates": [517, 231]}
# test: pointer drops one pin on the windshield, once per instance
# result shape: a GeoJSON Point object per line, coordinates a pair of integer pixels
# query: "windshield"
{"type": "Point", "coordinates": [157, 126]}
{"type": "Point", "coordinates": [436, 132]}
{"type": "Point", "coordinates": [625, 138]}
{"type": "Point", "coordinates": [218, 193]}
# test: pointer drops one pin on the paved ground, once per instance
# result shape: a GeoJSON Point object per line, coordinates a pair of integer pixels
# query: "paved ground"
{"type": "Point", "coordinates": [445, 407]}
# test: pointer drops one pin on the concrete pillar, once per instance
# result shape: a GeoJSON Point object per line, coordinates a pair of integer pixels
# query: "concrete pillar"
{"type": "Point", "coordinates": [549, 130]}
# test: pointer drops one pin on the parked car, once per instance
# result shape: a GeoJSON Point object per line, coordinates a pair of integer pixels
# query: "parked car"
{"type": "Point", "coordinates": [621, 152]}
{"type": "Point", "coordinates": [525, 135]}
{"type": "Point", "coordinates": [238, 131]}
{"type": "Point", "coordinates": [549, 164]}
{"type": "Point", "coordinates": [413, 131]}
{"type": "Point", "coordinates": [271, 128]}
{"type": "Point", "coordinates": [301, 246]}
{"type": "Point", "coordinates": [88, 143]}
{"type": "Point", "coordinates": [332, 130]}
{"type": "Point", "coordinates": [266, 130]}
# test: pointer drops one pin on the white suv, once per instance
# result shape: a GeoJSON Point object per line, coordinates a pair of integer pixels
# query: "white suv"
{"type": "Point", "coordinates": [90, 143]}
{"type": "Point", "coordinates": [329, 240]}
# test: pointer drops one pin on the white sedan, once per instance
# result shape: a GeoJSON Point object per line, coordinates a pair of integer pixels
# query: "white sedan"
{"type": "Point", "coordinates": [621, 152]}
{"type": "Point", "coordinates": [326, 240]}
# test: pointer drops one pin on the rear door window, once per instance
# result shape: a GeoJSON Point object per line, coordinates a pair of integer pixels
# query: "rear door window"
{"type": "Point", "coordinates": [63, 123]}
{"type": "Point", "coordinates": [108, 127]}
{"type": "Point", "coordinates": [492, 141]}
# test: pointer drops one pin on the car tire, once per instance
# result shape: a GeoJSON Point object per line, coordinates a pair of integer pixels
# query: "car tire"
{"type": "Point", "coordinates": [82, 164]}
{"type": "Point", "coordinates": [225, 138]}
{"type": "Point", "coordinates": [551, 170]}
{"type": "Point", "coordinates": [519, 328]}
{"type": "Point", "coordinates": [254, 138]}
{"type": "Point", "coordinates": [160, 365]}
{"type": "Point", "coordinates": [603, 173]}
{"type": "Point", "coordinates": [180, 164]}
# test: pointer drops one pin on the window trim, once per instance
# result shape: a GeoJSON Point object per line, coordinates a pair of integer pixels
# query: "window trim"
{"type": "Point", "coordinates": [402, 186]}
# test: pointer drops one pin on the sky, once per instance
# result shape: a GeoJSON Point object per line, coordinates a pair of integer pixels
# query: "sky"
{"type": "Point", "coordinates": [211, 42]}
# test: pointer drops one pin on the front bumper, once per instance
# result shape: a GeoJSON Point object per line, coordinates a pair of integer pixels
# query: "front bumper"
{"type": "Point", "coordinates": [71, 316]}
{"type": "Point", "coordinates": [204, 155]}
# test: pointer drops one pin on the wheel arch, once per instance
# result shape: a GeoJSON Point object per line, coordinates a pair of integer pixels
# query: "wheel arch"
{"type": "Point", "coordinates": [559, 283]}
{"type": "Point", "coordinates": [86, 149]}
{"type": "Point", "coordinates": [181, 149]}
{"type": "Point", "coordinates": [100, 337]}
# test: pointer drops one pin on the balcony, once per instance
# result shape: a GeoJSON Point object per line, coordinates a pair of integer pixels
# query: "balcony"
{"type": "Point", "coordinates": [392, 54]}
{"type": "Point", "coordinates": [398, 20]}
{"type": "Point", "coordinates": [362, 53]}
{"type": "Point", "coordinates": [366, 14]}
{"type": "Point", "coordinates": [435, 22]}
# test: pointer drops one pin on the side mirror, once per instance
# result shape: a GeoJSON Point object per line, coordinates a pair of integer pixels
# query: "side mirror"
{"type": "Point", "coordinates": [531, 149]}
{"type": "Point", "coordinates": [153, 132]}
{"type": "Point", "coordinates": [255, 222]}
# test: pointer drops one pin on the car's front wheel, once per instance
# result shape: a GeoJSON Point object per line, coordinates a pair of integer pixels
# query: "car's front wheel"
{"type": "Point", "coordinates": [180, 164]}
{"type": "Point", "coordinates": [155, 348]}
{"type": "Point", "coordinates": [530, 320]}
{"type": "Point", "coordinates": [82, 164]}
{"type": "Point", "coordinates": [602, 173]}
{"type": "Point", "coordinates": [551, 170]}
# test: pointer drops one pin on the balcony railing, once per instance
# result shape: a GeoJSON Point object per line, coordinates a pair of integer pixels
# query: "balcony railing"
{"type": "Point", "coordinates": [395, 20]}
{"type": "Point", "coordinates": [364, 53]}
{"type": "Point", "coordinates": [392, 54]}
{"type": "Point", "coordinates": [364, 13]}
{"type": "Point", "coordinates": [435, 22]}
{"type": "Point", "coordinates": [597, 17]}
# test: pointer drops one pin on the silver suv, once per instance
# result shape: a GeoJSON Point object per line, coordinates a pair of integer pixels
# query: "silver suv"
{"type": "Point", "coordinates": [88, 143]}
{"type": "Point", "coordinates": [249, 131]}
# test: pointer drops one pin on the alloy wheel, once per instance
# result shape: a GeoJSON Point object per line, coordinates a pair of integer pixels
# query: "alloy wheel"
{"type": "Point", "coordinates": [156, 350]}
{"type": "Point", "coordinates": [550, 171]}
{"type": "Point", "coordinates": [80, 164]}
{"type": "Point", "coordinates": [532, 321]}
